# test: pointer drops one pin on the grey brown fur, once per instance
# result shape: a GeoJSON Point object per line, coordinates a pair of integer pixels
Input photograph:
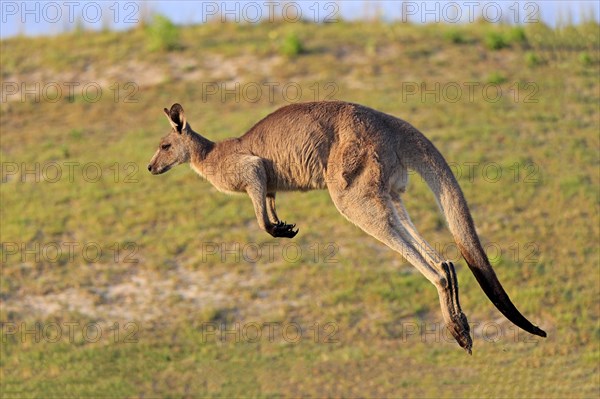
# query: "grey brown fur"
{"type": "Point", "coordinates": [362, 156]}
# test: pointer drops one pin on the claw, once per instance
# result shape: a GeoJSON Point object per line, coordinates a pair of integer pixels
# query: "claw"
{"type": "Point", "coordinates": [282, 229]}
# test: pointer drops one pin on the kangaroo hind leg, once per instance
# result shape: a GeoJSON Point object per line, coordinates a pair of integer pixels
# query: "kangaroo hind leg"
{"type": "Point", "coordinates": [430, 255]}
{"type": "Point", "coordinates": [376, 215]}
{"type": "Point", "coordinates": [420, 243]}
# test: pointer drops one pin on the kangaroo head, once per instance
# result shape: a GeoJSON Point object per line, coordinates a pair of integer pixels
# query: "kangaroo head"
{"type": "Point", "coordinates": [174, 148]}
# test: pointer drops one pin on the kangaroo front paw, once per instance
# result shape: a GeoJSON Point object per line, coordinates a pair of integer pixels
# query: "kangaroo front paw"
{"type": "Point", "coordinates": [459, 328]}
{"type": "Point", "coordinates": [282, 229]}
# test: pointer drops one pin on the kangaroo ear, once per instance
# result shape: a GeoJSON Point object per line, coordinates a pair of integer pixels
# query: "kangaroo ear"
{"type": "Point", "coordinates": [169, 118]}
{"type": "Point", "coordinates": [176, 117]}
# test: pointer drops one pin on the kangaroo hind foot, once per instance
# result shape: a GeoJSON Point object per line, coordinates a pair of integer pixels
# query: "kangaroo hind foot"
{"type": "Point", "coordinates": [455, 319]}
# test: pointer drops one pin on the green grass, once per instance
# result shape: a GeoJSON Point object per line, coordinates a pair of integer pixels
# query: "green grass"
{"type": "Point", "coordinates": [165, 264]}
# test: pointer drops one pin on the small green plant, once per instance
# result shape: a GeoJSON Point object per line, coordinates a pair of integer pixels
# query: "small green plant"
{"type": "Point", "coordinates": [291, 46]}
{"type": "Point", "coordinates": [496, 78]}
{"type": "Point", "coordinates": [163, 35]}
{"type": "Point", "coordinates": [371, 47]}
{"type": "Point", "coordinates": [76, 134]}
{"type": "Point", "coordinates": [585, 58]}
{"type": "Point", "coordinates": [455, 36]}
{"type": "Point", "coordinates": [517, 35]}
{"type": "Point", "coordinates": [532, 59]}
{"type": "Point", "coordinates": [495, 40]}
{"type": "Point", "coordinates": [65, 151]}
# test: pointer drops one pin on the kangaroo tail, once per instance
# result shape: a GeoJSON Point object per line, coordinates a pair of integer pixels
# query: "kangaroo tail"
{"type": "Point", "coordinates": [430, 164]}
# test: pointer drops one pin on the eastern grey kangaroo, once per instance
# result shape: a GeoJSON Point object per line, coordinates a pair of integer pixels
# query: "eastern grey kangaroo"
{"type": "Point", "coordinates": [362, 157]}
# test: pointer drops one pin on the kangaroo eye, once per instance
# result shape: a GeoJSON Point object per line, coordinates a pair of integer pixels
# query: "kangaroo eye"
{"type": "Point", "coordinates": [165, 146]}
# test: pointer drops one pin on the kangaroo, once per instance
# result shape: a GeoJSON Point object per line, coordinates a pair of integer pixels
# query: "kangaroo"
{"type": "Point", "coordinates": [362, 157]}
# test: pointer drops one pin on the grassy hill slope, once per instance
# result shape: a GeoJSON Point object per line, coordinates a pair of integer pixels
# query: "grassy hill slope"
{"type": "Point", "coordinates": [158, 285]}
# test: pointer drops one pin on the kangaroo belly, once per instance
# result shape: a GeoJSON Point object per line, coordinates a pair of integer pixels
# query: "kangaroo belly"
{"type": "Point", "coordinates": [298, 162]}
{"type": "Point", "coordinates": [295, 174]}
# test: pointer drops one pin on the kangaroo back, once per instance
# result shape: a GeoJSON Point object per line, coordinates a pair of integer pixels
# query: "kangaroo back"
{"type": "Point", "coordinates": [426, 160]}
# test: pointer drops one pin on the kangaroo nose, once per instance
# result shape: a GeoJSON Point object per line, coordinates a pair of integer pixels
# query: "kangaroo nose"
{"type": "Point", "coordinates": [149, 168]}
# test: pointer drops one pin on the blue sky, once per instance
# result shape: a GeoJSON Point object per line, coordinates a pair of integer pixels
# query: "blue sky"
{"type": "Point", "coordinates": [52, 17]}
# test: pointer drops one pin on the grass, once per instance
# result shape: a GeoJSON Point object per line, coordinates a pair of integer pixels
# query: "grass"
{"type": "Point", "coordinates": [177, 257]}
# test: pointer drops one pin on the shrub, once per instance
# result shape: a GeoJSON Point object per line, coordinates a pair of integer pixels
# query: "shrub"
{"type": "Point", "coordinates": [455, 36]}
{"type": "Point", "coordinates": [496, 78]}
{"type": "Point", "coordinates": [517, 35]}
{"type": "Point", "coordinates": [532, 60]}
{"type": "Point", "coordinates": [163, 35]}
{"type": "Point", "coordinates": [585, 58]}
{"type": "Point", "coordinates": [495, 40]}
{"type": "Point", "coordinates": [291, 46]}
